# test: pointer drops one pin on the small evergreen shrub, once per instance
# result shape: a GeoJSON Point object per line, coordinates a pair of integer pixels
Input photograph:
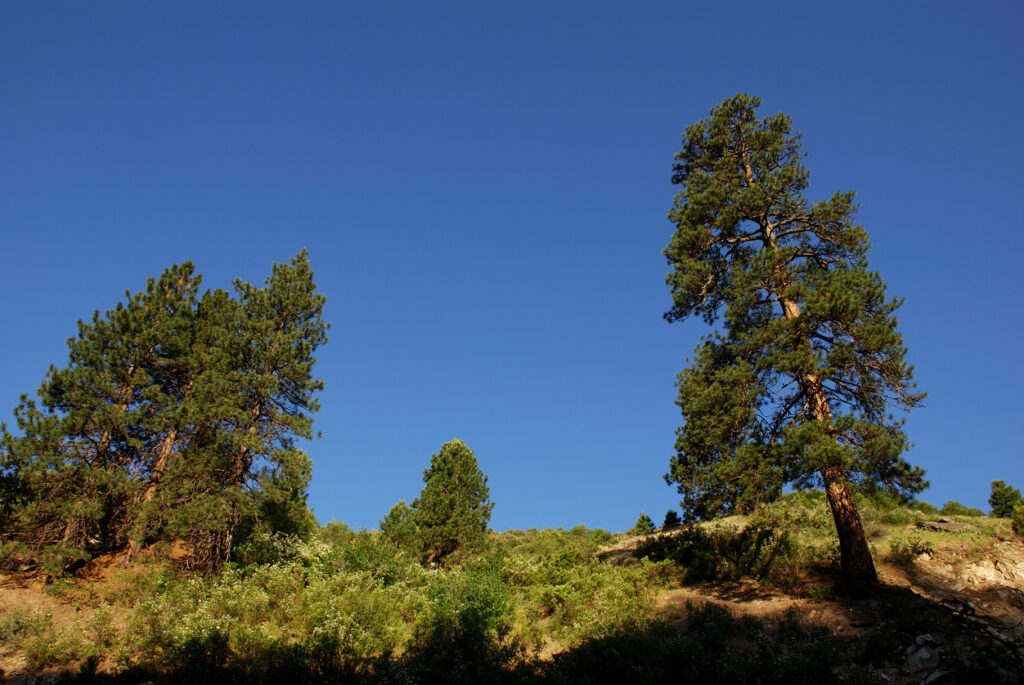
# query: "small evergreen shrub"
{"type": "Point", "coordinates": [714, 554]}
{"type": "Point", "coordinates": [904, 551]}
{"type": "Point", "coordinates": [1003, 499]}
{"type": "Point", "coordinates": [1017, 519]}
{"type": "Point", "coordinates": [954, 508]}
{"type": "Point", "coordinates": [643, 526]}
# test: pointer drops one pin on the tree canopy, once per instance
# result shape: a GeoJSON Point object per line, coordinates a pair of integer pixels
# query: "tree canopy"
{"type": "Point", "coordinates": [175, 417]}
{"type": "Point", "coordinates": [1003, 499]}
{"type": "Point", "coordinates": [798, 385]}
{"type": "Point", "coordinates": [452, 511]}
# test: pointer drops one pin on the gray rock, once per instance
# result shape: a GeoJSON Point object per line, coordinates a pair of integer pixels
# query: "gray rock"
{"type": "Point", "coordinates": [923, 659]}
{"type": "Point", "coordinates": [947, 526]}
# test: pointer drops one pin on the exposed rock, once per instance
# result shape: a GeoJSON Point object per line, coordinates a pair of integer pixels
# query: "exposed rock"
{"type": "Point", "coordinates": [947, 526]}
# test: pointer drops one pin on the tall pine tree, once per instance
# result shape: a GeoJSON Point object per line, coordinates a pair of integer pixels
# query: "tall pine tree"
{"type": "Point", "coordinates": [798, 385]}
{"type": "Point", "coordinates": [452, 511]}
{"type": "Point", "coordinates": [93, 441]}
{"type": "Point", "coordinates": [176, 417]}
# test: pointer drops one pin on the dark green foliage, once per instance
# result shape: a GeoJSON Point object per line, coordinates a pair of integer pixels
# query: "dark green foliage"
{"type": "Point", "coordinates": [797, 387]}
{"type": "Point", "coordinates": [336, 533]}
{"type": "Point", "coordinates": [745, 240]}
{"type": "Point", "coordinates": [954, 508]}
{"type": "Point", "coordinates": [643, 526]}
{"type": "Point", "coordinates": [905, 552]}
{"type": "Point", "coordinates": [452, 511]}
{"type": "Point", "coordinates": [714, 554]}
{"type": "Point", "coordinates": [175, 417]}
{"type": "Point", "coordinates": [461, 640]}
{"type": "Point", "coordinates": [672, 520]}
{"type": "Point", "coordinates": [400, 527]}
{"type": "Point", "coordinates": [1003, 499]}
{"type": "Point", "coordinates": [1017, 518]}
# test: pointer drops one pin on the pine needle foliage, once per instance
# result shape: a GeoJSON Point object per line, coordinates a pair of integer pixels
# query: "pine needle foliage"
{"type": "Point", "coordinates": [452, 512]}
{"type": "Point", "coordinates": [798, 385]}
{"type": "Point", "coordinates": [1003, 499]}
{"type": "Point", "coordinates": [175, 418]}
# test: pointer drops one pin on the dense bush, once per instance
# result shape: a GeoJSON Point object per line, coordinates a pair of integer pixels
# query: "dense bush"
{"type": "Point", "coordinates": [562, 589]}
{"type": "Point", "coordinates": [643, 526]}
{"type": "Point", "coordinates": [724, 553]}
{"type": "Point", "coordinates": [925, 507]}
{"type": "Point", "coordinates": [954, 508]}
{"type": "Point", "coordinates": [904, 551]}
{"type": "Point", "coordinates": [1017, 518]}
{"type": "Point", "coordinates": [352, 606]}
{"type": "Point", "coordinates": [1003, 499]}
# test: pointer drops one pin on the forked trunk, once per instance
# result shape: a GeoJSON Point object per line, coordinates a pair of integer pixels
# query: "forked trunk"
{"type": "Point", "coordinates": [159, 468]}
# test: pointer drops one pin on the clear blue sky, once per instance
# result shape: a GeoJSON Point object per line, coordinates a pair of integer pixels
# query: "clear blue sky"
{"type": "Point", "coordinates": [483, 189]}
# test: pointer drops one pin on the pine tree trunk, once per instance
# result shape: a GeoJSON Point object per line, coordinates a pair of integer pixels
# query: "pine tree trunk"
{"type": "Point", "coordinates": [858, 568]}
{"type": "Point", "coordinates": [855, 561]}
{"type": "Point", "coordinates": [159, 468]}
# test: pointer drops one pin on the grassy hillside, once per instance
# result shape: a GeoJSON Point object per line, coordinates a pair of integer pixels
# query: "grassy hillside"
{"type": "Point", "coordinates": [736, 600]}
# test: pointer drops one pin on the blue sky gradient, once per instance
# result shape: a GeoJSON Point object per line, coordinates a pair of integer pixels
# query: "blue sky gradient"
{"type": "Point", "coordinates": [483, 187]}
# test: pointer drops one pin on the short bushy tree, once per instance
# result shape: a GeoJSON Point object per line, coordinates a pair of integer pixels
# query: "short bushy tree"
{"type": "Point", "coordinates": [1017, 517]}
{"type": "Point", "coordinates": [400, 526]}
{"type": "Point", "coordinates": [453, 509]}
{"type": "Point", "coordinates": [672, 520]}
{"type": "Point", "coordinates": [954, 508]}
{"type": "Point", "coordinates": [1003, 499]}
{"type": "Point", "coordinates": [643, 526]}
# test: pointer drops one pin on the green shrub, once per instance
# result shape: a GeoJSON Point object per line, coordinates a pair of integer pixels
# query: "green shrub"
{"type": "Point", "coordinates": [336, 533]}
{"type": "Point", "coordinates": [461, 638]}
{"type": "Point", "coordinates": [1017, 519]}
{"type": "Point", "coordinates": [672, 520]}
{"type": "Point", "coordinates": [713, 554]}
{"type": "Point", "coordinates": [21, 623]}
{"type": "Point", "coordinates": [925, 507]}
{"type": "Point", "coordinates": [954, 508]}
{"type": "Point", "coordinates": [904, 551]}
{"type": "Point", "coordinates": [643, 526]}
{"type": "Point", "coordinates": [803, 510]}
{"type": "Point", "coordinates": [1003, 499]}
{"type": "Point", "coordinates": [563, 590]}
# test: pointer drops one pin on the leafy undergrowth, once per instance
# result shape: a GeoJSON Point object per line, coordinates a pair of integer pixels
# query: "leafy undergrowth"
{"type": "Point", "coordinates": [741, 600]}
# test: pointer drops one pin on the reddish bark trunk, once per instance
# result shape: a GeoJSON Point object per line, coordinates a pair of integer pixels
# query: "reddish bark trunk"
{"type": "Point", "coordinates": [858, 568]}
{"type": "Point", "coordinates": [159, 468]}
{"type": "Point", "coordinates": [855, 561]}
